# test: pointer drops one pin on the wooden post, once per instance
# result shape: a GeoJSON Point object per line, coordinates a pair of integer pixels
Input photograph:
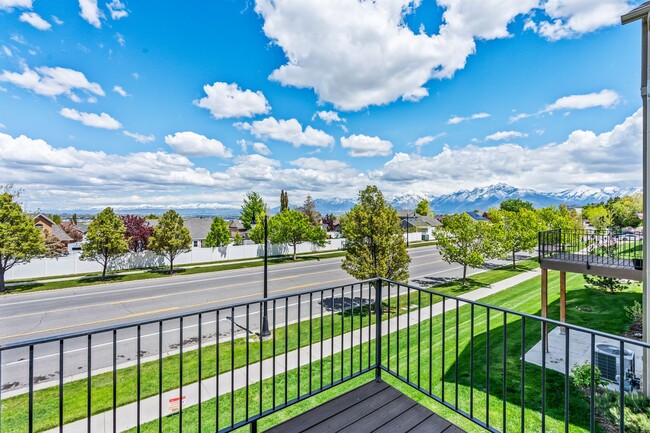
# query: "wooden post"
{"type": "Point", "coordinates": [545, 305]}
{"type": "Point", "coordinates": [562, 300]}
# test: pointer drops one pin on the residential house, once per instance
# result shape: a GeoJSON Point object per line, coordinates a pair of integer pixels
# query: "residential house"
{"type": "Point", "coordinates": [477, 216]}
{"type": "Point", "coordinates": [199, 228]}
{"type": "Point", "coordinates": [50, 228]}
{"type": "Point", "coordinates": [237, 227]}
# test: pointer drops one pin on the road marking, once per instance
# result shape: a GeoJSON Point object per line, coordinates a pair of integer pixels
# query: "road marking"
{"type": "Point", "coordinates": [146, 313]}
{"type": "Point", "coordinates": [185, 292]}
{"type": "Point", "coordinates": [325, 262]}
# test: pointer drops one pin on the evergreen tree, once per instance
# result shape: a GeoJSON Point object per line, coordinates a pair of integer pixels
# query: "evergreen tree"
{"type": "Point", "coordinates": [467, 242]}
{"type": "Point", "coordinates": [20, 240]}
{"type": "Point", "coordinates": [293, 228]}
{"type": "Point", "coordinates": [284, 200]}
{"type": "Point", "coordinates": [375, 245]}
{"type": "Point", "coordinates": [105, 239]}
{"type": "Point", "coordinates": [309, 210]}
{"type": "Point", "coordinates": [253, 206]}
{"type": "Point", "coordinates": [423, 208]}
{"type": "Point", "coordinates": [170, 237]}
{"type": "Point", "coordinates": [219, 235]}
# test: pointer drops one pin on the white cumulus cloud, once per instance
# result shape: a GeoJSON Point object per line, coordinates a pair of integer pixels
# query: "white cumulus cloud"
{"type": "Point", "coordinates": [90, 12]}
{"type": "Point", "coordinates": [120, 91]}
{"type": "Point", "coordinates": [328, 117]}
{"type": "Point", "coordinates": [261, 148]}
{"type": "Point", "coordinates": [289, 131]}
{"type": "Point", "coordinates": [573, 18]}
{"type": "Point", "coordinates": [363, 145]}
{"type": "Point", "coordinates": [603, 99]}
{"type": "Point", "coordinates": [359, 53]}
{"type": "Point", "coordinates": [455, 120]}
{"type": "Point", "coordinates": [7, 5]}
{"type": "Point", "coordinates": [35, 20]}
{"type": "Point", "coordinates": [52, 81]}
{"type": "Point", "coordinates": [226, 100]}
{"type": "Point", "coordinates": [190, 143]}
{"type": "Point", "coordinates": [117, 9]}
{"type": "Point", "coordinates": [94, 120]}
{"type": "Point", "coordinates": [505, 135]}
{"type": "Point", "coordinates": [140, 138]}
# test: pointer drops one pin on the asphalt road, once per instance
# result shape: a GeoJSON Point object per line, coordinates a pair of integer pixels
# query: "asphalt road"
{"type": "Point", "coordinates": [29, 316]}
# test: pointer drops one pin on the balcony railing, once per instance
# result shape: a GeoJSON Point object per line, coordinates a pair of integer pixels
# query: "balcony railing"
{"type": "Point", "coordinates": [210, 371]}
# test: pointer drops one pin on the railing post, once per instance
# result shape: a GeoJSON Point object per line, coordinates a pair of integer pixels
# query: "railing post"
{"type": "Point", "coordinates": [378, 313]}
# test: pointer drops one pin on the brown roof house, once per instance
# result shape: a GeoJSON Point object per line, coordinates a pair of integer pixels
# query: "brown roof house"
{"type": "Point", "coordinates": [56, 238]}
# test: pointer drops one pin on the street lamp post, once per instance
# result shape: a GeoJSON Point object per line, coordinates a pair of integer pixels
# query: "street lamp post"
{"type": "Point", "coordinates": [265, 332]}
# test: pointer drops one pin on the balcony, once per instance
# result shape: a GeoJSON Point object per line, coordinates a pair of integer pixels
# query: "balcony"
{"type": "Point", "coordinates": [603, 253]}
{"type": "Point", "coordinates": [465, 363]}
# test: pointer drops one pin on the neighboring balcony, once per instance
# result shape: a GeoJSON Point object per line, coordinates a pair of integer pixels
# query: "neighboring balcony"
{"type": "Point", "coordinates": [464, 362]}
{"type": "Point", "coordinates": [603, 253]}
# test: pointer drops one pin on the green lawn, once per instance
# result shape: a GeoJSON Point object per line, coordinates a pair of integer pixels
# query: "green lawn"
{"type": "Point", "coordinates": [586, 308]}
{"type": "Point", "coordinates": [46, 401]}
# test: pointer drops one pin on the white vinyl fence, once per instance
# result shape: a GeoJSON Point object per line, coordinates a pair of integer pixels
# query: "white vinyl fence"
{"type": "Point", "coordinates": [70, 265]}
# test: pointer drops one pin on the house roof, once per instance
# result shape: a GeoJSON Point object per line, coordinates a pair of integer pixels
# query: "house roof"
{"type": "Point", "coordinates": [60, 234]}
{"type": "Point", "coordinates": [477, 216]}
{"type": "Point", "coordinates": [40, 215]}
{"type": "Point", "coordinates": [404, 213]}
{"type": "Point", "coordinates": [236, 224]}
{"type": "Point", "coordinates": [427, 220]}
{"type": "Point", "coordinates": [198, 227]}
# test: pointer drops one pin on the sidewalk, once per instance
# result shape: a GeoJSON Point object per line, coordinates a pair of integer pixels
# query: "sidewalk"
{"type": "Point", "coordinates": [149, 411]}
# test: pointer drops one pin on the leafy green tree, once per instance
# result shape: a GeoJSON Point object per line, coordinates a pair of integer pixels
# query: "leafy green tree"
{"type": "Point", "coordinates": [466, 241]}
{"type": "Point", "coordinates": [256, 233]}
{"type": "Point", "coordinates": [598, 216]}
{"type": "Point", "coordinates": [423, 208]}
{"type": "Point", "coordinates": [105, 239]}
{"type": "Point", "coordinates": [309, 210]}
{"type": "Point", "coordinates": [514, 204]}
{"type": "Point", "coordinates": [238, 240]}
{"type": "Point", "coordinates": [20, 241]}
{"type": "Point", "coordinates": [515, 231]}
{"type": "Point", "coordinates": [219, 235]}
{"type": "Point", "coordinates": [253, 206]}
{"type": "Point", "coordinates": [284, 200]}
{"type": "Point", "coordinates": [624, 210]}
{"type": "Point", "coordinates": [170, 237]}
{"type": "Point", "coordinates": [375, 244]}
{"type": "Point", "coordinates": [293, 228]}
{"type": "Point", "coordinates": [56, 219]}
{"type": "Point", "coordinates": [559, 218]}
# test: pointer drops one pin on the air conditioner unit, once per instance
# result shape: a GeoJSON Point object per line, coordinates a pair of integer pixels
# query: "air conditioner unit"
{"type": "Point", "coordinates": [608, 361]}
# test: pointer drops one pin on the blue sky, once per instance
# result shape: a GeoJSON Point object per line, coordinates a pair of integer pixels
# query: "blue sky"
{"type": "Point", "coordinates": [129, 104]}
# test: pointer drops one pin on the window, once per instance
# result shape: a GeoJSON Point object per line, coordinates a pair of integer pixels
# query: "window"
{"type": "Point", "coordinates": [39, 226]}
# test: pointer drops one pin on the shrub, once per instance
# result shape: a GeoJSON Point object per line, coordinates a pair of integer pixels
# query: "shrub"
{"type": "Point", "coordinates": [635, 312]}
{"type": "Point", "coordinates": [581, 376]}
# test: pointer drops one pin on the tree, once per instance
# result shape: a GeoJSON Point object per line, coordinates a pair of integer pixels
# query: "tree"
{"type": "Point", "coordinates": [515, 204]}
{"type": "Point", "coordinates": [219, 235]}
{"type": "Point", "coordinates": [238, 240]}
{"type": "Point", "coordinates": [253, 206]}
{"type": "Point", "coordinates": [54, 246]}
{"type": "Point", "coordinates": [606, 284]}
{"type": "Point", "coordinates": [329, 220]}
{"type": "Point", "coordinates": [515, 231]}
{"type": "Point", "coordinates": [625, 210]}
{"type": "Point", "coordinates": [105, 239]}
{"type": "Point", "coordinates": [70, 228]}
{"type": "Point", "coordinates": [375, 244]}
{"type": "Point", "coordinates": [256, 234]}
{"type": "Point", "coordinates": [151, 216]}
{"type": "Point", "coordinates": [309, 209]}
{"type": "Point", "coordinates": [170, 237]}
{"type": "Point", "coordinates": [284, 200]}
{"type": "Point", "coordinates": [465, 241]}
{"type": "Point", "coordinates": [56, 219]}
{"type": "Point", "coordinates": [559, 218]}
{"type": "Point", "coordinates": [20, 241]}
{"type": "Point", "coordinates": [598, 216]}
{"type": "Point", "coordinates": [423, 208]}
{"type": "Point", "coordinates": [293, 228]}
{"type": "Point", "coordinates": [138, 232]}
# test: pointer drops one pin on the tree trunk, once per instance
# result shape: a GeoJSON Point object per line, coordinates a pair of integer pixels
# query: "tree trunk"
{"type": "Point", "coordinates": [295, 256]}
{"type": "Point", "coordinates": [171, 265]}
{"type": "Point", "coordinates": [2, 280]}
{"type": "Point", "coordinates": [514, 263]}
{"type": "Point", "coordinates": [105, 265]}
{"type": "Point", "coordinates": [464, 275]}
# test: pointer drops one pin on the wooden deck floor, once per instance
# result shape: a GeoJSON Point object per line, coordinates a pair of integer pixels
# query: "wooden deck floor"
{"type": "Point", "coordinates": [585, 264]}
{"type": "Point", "coordinates": [373, 407]}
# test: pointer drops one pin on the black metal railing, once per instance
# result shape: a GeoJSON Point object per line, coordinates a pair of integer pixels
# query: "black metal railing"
{"type": "Point", "coordinates": [613, 248]}
{"type": "Point", "coordinates": [210, 370]}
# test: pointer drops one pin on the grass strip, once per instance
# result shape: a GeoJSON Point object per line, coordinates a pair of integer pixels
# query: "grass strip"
{"type": "Point", "coordinates": [14, 409]}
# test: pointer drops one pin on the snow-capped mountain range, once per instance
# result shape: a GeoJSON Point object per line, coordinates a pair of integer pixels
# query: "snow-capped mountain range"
{"type": "Point", "coordinates": [482, 198]}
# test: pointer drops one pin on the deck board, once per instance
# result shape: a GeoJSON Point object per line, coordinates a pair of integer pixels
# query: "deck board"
{"type": "Point", "coordinates": [374, 407]}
